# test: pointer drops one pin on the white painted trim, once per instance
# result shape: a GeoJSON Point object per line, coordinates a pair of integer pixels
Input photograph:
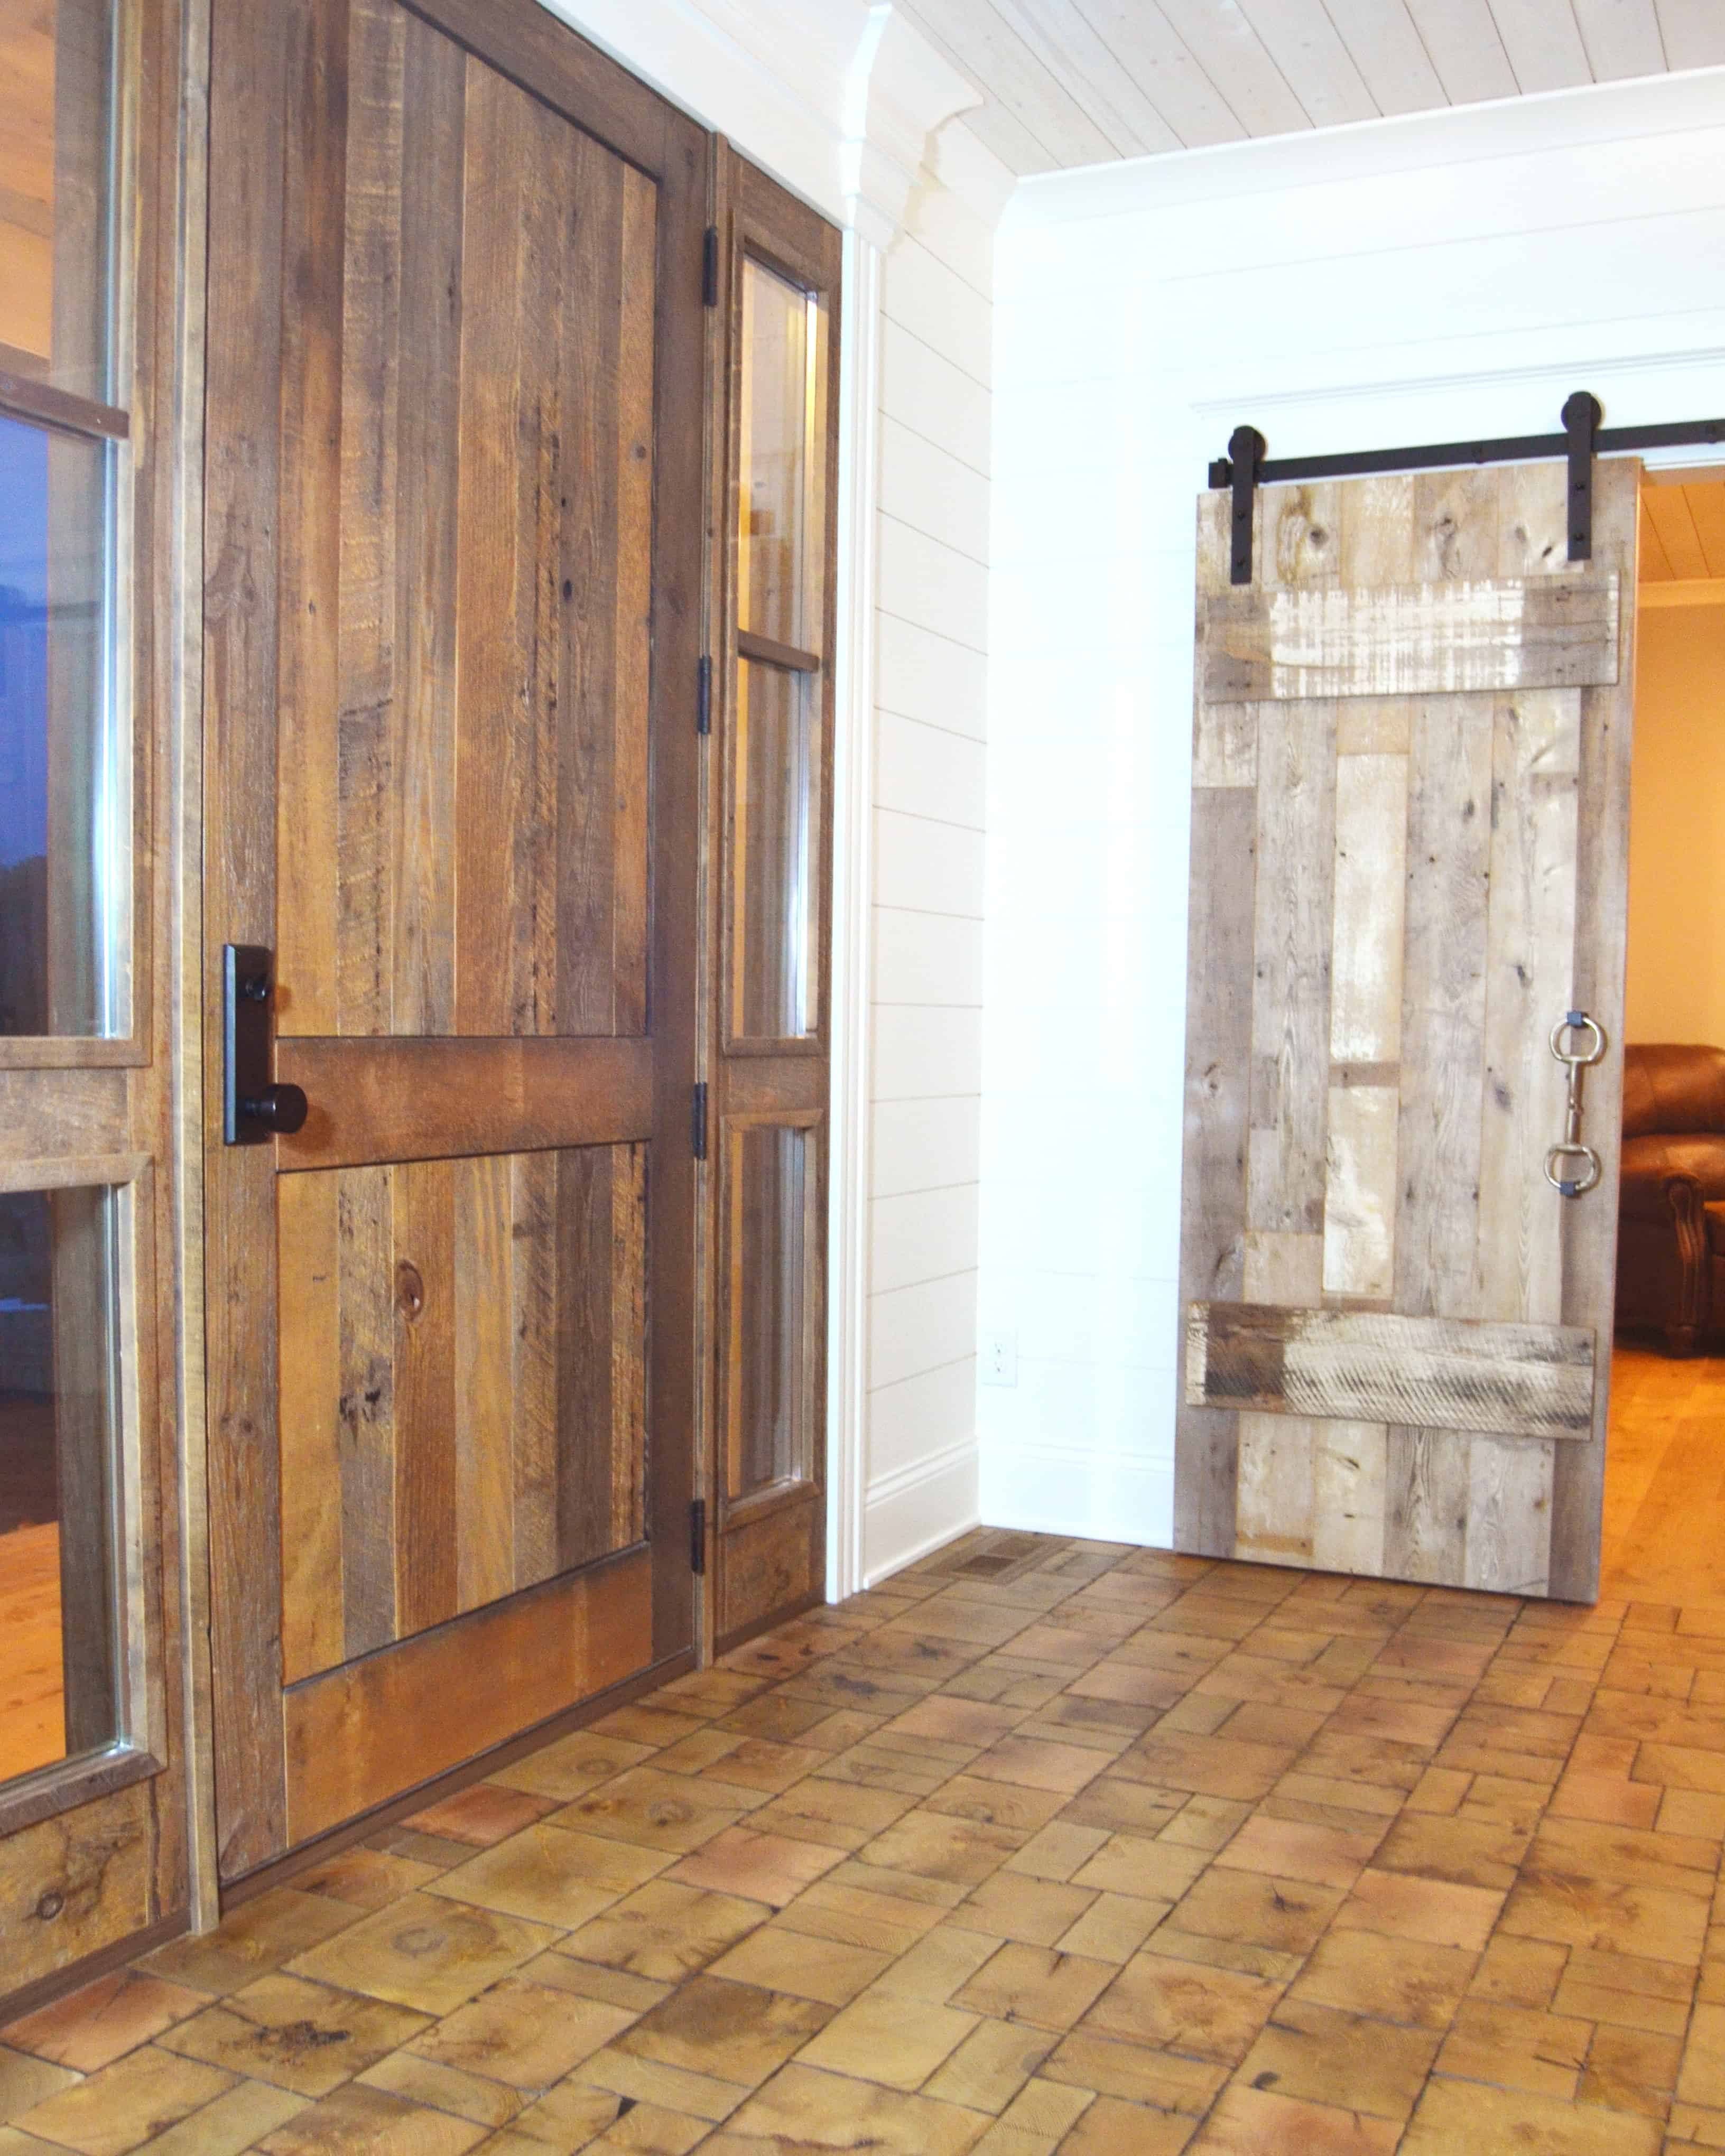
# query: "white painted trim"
{"type": "Point", "coordinates": [1682, 592]}
{"type": "Point", "coordinates": [958, 1460]}
{"type": "Point", "coordinates": [849, 1216]}
{"type": "Point", "coordinates": [1653, 106]}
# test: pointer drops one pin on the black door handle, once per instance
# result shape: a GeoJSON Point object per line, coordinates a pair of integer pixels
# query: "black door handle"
{"type": "Point", "coordinates": [254, 1109]}
{"type": "Point", "coordinates": [278, 1108]}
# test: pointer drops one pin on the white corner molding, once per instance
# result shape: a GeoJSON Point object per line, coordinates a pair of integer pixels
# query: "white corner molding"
{"type": "Point", "coordinates": [899, 94]}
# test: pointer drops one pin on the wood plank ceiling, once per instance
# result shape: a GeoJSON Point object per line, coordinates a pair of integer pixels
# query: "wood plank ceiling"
{"type": "Point", "coordinates": [1083, 82]}
{"type": "Point", "coordinates": [1682, 529]}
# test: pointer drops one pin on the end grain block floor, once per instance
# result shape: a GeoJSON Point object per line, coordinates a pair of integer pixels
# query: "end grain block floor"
{"type": "Point", "coordinates": [1044, 1845]}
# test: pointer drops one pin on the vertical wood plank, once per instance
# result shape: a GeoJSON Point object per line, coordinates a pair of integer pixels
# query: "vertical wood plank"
{"type": "Point", "coordinates": [308, 693]}
{"type": "Point", "coordinates": [365, 1256]}
{"type": "Point", "coordinates": [1601, 928]}
{"type": "Point", "coordinates": [483, 1509]}
{"type": "Point", "coordinates": [633, 643]}
{"type": "Point", "coordinates": [589, 778]}
{"type": "Point", "coordinates": [242, 467]}
{"type": "Point", "coordinates": [1350, 1469]}
{"type": "Point", "coordinates": [356, 865]}
{"type": "Point", "coordinates": [1275, 1518]}
{"type": "Point", "coordinates": [423, 1275]}
{"type": "Point", "coordinates": [1370, 891]}
{"type": "Point", "coordinates": [1443, 1029]}
{"type": "Point", "coordinates": [1281, 1268]}
{"type": "Point", "coordinates": [1509, 1486]}
{"type": "Point", "coordinates": [496, 723]}
{"type": "Point", "coordinates": [629, 1344]}
{"type": "Point", "coordinates": [311, 1606]}
{"type": "Point", "coordinates": [1213, 1222]}
{"type": "Point", "coordinates": [425, 607]}
{"type": "Point", "coordinates": [586, 1278]}
{"type": "Point", "coordinates": [534, 1287]}
{"type": "Point", "coordinates": [1296, 805]}
{"type": "Point", "coordinates": [1360, 1191]}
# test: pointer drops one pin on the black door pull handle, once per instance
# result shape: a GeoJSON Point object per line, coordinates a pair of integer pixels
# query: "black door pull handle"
{"type": "Point", "coordinates": [255, 1108]}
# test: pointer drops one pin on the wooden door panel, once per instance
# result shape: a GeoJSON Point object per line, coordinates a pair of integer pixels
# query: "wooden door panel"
{"type": "Point", "coordinates": [1407, 777]}
{"type": "Point", "coordinates": [467, 477]}
{"type": "Point", "coordinates": [464, 1387]}
{"type": "Point", "coordinates": [455, 435]}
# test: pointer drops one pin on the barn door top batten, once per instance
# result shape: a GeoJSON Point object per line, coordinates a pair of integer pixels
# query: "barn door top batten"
{"type": "Point", "coordinates": [1247, 467]}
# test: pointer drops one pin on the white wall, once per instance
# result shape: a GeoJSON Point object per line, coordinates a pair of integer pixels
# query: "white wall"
{"type": "Point", "coordinates": [1409, 281]}
{"type": "Point", "coordinates": [1676, 917]}
{"type": "Point", "coordinates": [932, 715]}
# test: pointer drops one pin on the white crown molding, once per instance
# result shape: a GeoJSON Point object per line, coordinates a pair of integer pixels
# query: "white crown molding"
{"type": "Point", "coordinates": [1650, 106]}
{"type": "Point", "coordinates": [844, 102]}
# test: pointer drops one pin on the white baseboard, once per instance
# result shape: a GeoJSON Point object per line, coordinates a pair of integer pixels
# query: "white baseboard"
{"type": "Point", "coordinates": [909, 1514]}
{"type": "Point", "coordinates": [1111, 1497]}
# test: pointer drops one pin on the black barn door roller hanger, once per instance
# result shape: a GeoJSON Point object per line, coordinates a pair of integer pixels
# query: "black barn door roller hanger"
{"type": "Point", "coordinates": [1246, 468]}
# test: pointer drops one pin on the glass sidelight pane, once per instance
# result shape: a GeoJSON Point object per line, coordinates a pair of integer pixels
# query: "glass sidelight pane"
{"type": "Point", "coordinates": [58, 1631]}
{"type": "Point", "coordinates": [55, 72]}
{"type": "Point", "coordinates": [782, 460]}
{"type": "Point", "coordinates": [775, 879]}
{"type": "Point", "coordinates": [63, 821]}
{"type": "Point", "coordinates": [771, 1168]}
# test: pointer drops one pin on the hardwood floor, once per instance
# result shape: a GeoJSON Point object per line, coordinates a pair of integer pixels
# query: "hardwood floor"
{"type": "Point", "coordinates": [1042, 1845]}
{"type": "Point", "coordinates": [33, 1726]}
{"type": "Point", "coordinates": [1665, 1479]}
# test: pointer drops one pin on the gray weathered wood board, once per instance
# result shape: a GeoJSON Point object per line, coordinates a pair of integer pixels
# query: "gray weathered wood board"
{"type": "Point", "coordinates": [1380, 1366]}
{"type": "Point", "coordinates": [1473, 637]}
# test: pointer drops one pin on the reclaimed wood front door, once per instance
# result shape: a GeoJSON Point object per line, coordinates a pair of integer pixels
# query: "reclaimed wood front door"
{"type": "Point", "coordinates": [1409, 865]}
{"type": "Point", "coordinates": [453, 569]}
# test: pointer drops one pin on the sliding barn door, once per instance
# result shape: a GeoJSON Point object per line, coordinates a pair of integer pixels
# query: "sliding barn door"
{"type": "Point", "coordinates": [1409, 865]}
{"type": "Point", "coordinates": [453, 561]}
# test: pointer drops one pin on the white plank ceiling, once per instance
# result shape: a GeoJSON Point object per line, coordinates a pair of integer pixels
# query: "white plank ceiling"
{"type": "Point", "coordinates": [1083, 82]}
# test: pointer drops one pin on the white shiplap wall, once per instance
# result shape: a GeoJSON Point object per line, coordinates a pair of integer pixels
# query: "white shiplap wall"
{"type": "Point", "coordinates": [930, 696]}
{"type": "Point", "coordinates": [1419, 280]}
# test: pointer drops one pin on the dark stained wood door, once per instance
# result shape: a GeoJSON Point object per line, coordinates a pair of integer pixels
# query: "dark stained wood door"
{"type": "Point", "coordinates": [453, 561]}
{"type": "Point", "coordinates": [1410, 817]}
{"type": "Point", "coordinates": [770, 1042]}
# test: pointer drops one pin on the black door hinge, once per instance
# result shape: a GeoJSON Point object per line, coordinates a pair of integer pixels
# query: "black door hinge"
{"type": "Point", "coordinates": [697, 1536]}
{"type": "Point", "coordinates": [710, 268]}
{"type": "Point", "coordinates": [698, 1130]}
{"type": "Point", "coordinates": [704, 697]}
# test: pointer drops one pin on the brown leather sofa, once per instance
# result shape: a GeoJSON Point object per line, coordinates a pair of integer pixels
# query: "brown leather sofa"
{"type": "Point", "coordinates": [1671, 1234]}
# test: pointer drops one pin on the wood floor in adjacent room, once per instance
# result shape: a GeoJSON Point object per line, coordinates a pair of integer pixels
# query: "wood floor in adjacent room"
{"type": "Point", "coordinates": [1044, 1845]}
{"type": "Point", "coordinates": [1665, 1478]}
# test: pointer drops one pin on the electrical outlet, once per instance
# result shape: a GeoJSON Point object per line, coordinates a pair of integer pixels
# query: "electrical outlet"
{"type": "Point", "coordinates": [1000, 1358]}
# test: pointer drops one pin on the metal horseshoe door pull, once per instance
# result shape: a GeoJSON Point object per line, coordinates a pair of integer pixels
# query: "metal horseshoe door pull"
{"type": "Point", "coordinates": [1575, 1061]}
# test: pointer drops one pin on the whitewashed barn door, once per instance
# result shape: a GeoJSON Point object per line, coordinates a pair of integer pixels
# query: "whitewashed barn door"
{"type": "Point", "coordinates": [1408, 862]}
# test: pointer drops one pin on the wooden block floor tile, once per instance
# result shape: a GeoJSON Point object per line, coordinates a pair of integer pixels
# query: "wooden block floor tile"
{"type": "Point", "coordinates": [1042, 1849]}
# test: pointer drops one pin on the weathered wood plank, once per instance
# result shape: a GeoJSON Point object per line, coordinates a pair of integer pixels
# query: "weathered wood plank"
{"type": "Point", "coordinates": [1360, 1191]}
{"type": "Point", "coordinates": [426, 603]}
{"type": "Point", "coordinates": [362, 1733]}
{"type": "Point", "coordinates": [1350, 1468]}
{"type": "Point", "coordinates": [366, 1239]}
{"type": "Point", "coordinates": [534, 1303]}
{"type": "Point", "coordinates": [1370, 896]}
{"type": "Point", "coordinates": [1296, 806]}
{"type": "Point", "coordinates": [1601, 927]}
{"type": "Point", "coordinates": [1481, 636]}
{"type": "Point", "coordinates": [1428, 1491]}
{"type": "Point", "coordinates": [308, 702]}
{"type": "Point", "coordinates": [1282, 1268]}
{"type": "Point", "coordinates": [1380, 1366]}
{"type": "Point", "coordinates": [425, 1295]}
{"type": "Point", "coordinates": [1219, 1039]}
{"type": "Point", "coordinates": [484, 1381]}
{"type": "Point", "coordinates": [1275, 1517]}
{"type": "Point", "coordinates": [310, 1330]}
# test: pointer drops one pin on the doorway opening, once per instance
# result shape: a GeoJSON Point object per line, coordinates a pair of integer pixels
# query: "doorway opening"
{"type": "Point", "coordinates": [1664, 1528]}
